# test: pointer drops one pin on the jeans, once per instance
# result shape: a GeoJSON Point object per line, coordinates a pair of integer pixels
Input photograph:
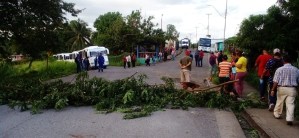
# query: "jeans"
{"type": "Point", "coordinates": [263, 86]}
{"type": "Point", "coordinates": [272, 99]}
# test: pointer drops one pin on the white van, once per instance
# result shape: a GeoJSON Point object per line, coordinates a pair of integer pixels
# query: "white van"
{"type": "Point", "coordinates": [92, 52]}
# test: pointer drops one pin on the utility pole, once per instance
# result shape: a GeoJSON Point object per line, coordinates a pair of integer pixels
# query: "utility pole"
{"type": "Point", "coordinates": [208, 28]}
{"type": "Point", "coordinates": [196, 34]}
{"type": "Point", "coordinates": [161, 21]}
{"type": "Point", "coordinates": [224, 23]}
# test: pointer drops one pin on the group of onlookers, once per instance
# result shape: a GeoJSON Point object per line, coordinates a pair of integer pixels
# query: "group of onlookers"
{"type": "Point", "coordinates": [235, 69]}
{"type": "Point", "coordinates": [282, 78]}
{"type": "Point", "coordinates": [128, 60]}
{"type": "Point", "coordinates": [84, 65]}
{"type": "Point", "coordinates": [198, 55]}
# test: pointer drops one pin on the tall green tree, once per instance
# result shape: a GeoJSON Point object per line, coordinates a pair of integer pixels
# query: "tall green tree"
{"type": "Point", "coordinates": [31, 24]}
{"type": "Point", "coordinates": [109, 30]}
{"type": "Point", "coordinates": [276, 29]}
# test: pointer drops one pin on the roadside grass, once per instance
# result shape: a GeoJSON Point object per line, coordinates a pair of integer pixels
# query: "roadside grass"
{"type": "Point", "coordinates": [38, 69]}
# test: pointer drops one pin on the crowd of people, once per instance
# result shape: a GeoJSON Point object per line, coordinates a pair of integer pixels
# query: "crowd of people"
{"type": "Point", "coordinates": [278, 78]}
{"type": "Point", "coordinates": [282, 78]}
{"type": "Point", "coordinates": [82, 64]}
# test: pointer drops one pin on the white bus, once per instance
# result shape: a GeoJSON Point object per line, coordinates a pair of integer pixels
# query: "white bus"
{"type": "Point", "coordinates": [64, 57]}
{"type": "Point", "coordinates": [92, 52]}
{"type": "Point", "coordinates": [204, 44]}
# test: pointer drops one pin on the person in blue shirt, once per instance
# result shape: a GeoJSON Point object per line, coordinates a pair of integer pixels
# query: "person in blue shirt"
{"type": "Point", "coordinates": [101, 62]}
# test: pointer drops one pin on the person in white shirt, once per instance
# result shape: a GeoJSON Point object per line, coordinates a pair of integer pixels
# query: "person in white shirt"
{"type": "Point", "coordinates": [128, 61]}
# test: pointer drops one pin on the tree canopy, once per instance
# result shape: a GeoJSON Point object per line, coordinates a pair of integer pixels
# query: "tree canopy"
{"type": "Point", "coordinates": [31, 24]}
{"type": "Point", "coordinates": [276, 29]}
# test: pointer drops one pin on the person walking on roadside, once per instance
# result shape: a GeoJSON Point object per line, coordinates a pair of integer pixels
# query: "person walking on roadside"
{"type": "Point", "coordinates": [286, 80]}
{"type": "Point", "coordinates": [153, 60]}
{"type": "Point", "coordinates": [173, 53]}
{"type": "Point", "coordinates": [147, 60]}
{"type": "Point", "coordinates": [196, 56]}
{"type": "Point", "coordinates": [77, 61]}
{"type": "Point", "coordinates": [86, 64]}
{"type": "Point", "coordinates": [124, 59]}
{"type": "Point", "coordinates": [260, 64]}
{"type": "Point", "coordinates": [101, 61]}
{"type": "Point", "coordinates": [271, 67]}
{"type": "Point", "coordinates": [133, 59]}
{"type": "Point", "coordinates": [160, 56]}
{"type": "Point", "coordinates": [128, 61]}
{"type": "Point", "coordinates": [241, 72]}
{"type": "Point", "coordinates": [185, 65]}
{"type": "Point", "coordinates": [212, 61]}
{"type": "Point", "coordinates": [201, 55]}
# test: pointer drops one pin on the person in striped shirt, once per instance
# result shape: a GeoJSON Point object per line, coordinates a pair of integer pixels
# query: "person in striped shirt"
{"type": "Point", "coordinates": [224, 72]}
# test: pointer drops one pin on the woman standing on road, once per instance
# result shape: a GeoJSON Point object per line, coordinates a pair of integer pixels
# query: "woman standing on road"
{"type": "Point", "coordinates": [241, 68]}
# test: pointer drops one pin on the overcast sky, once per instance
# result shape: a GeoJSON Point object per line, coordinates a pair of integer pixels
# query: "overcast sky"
{"type": "Point", "coordinates": [186, 15]}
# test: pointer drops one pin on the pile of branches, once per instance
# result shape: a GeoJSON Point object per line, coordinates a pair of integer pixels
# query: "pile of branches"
{"type": "Point", "coordinates": [132, 96]}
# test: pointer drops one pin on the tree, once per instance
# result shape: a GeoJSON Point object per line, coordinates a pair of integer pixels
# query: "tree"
{"type": "Point", "coordinates": [31, 24]}
{"type": "Point", "coordinates": [276, 29]}
{"type": "Point", "coordinates": [172, 33]}
{"type": "Point", "coordinates": [80, 34]}
{"type": "Point", "coordinates": [109, 30]}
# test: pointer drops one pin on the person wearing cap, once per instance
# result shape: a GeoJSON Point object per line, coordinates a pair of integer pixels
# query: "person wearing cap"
{"type": "Point", "coordinates": [185, 64]}
{"type": "Point", "coordinates": [270, 67]}
{"type": "Point", "coordinates": [285, 80]}
{"type": "Point", "coordinates": [260, 64]}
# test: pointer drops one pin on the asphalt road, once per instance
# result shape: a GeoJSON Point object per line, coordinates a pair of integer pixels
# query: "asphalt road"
{"type": "Point", "coordinates": [84, 122]}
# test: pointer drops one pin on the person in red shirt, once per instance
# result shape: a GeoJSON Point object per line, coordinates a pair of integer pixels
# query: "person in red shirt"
{"type": "Point", "coordinates": [260, 63]}
{"type": "Point", "coordinates": [124, 59]}
{"type": "Point", "coordinates": [201, 54]}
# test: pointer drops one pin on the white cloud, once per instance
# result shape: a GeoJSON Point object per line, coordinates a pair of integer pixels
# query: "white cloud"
{"type": "Point", "coordinates": [186, 15]}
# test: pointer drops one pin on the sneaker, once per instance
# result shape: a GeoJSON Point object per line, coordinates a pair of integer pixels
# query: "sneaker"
{"type": "Point", "coordinates": [271, 107]}
{"type": "Point", "coordinates": [276, 117]}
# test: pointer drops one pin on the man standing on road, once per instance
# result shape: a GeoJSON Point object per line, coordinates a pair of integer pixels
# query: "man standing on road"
{"type": "Point", "coordinates": [101, 61]}
{"type": "Point", "coordinates": [260, 64]}
{"type": "Point", "coordinates": [185, 64]}
{"type": "Point", "coordinates": [286, 80]}
{"type": "Point", "coordinates": [212, 61]}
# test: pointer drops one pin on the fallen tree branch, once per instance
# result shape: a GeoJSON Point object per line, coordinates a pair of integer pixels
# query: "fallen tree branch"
{"type": "Point", "coordinates": [219, 85]}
